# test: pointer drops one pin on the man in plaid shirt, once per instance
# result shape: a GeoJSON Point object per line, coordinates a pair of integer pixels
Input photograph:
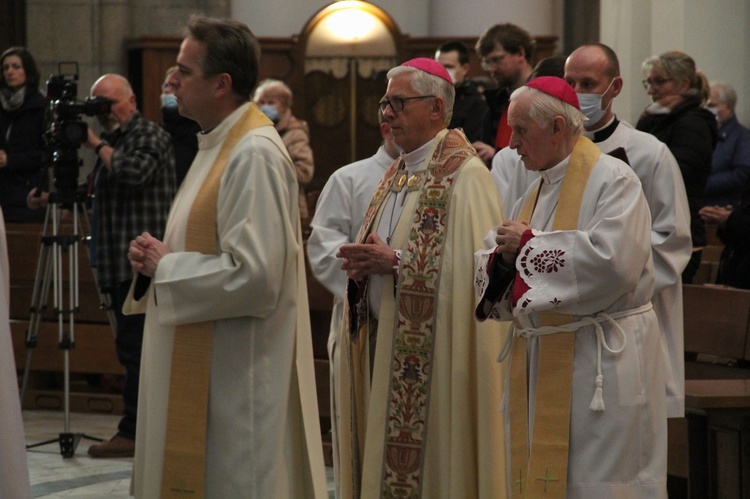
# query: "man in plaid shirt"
{"type": "Point", "coordinates": [134, 188]}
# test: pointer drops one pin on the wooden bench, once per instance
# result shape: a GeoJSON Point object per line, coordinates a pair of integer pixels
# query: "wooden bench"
{"type": "Point", "coordinates": [717, 352]}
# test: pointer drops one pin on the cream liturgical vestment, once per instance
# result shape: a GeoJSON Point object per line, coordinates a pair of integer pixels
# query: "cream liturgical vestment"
{"type": "Point", "coordinates": [263, 436]}
{"type": "Point", "coordinates": [14, 471]}
{"type": "Point", "coordinates": [429, 423]}
{"type": "Point", "coordinates": [602, 272]}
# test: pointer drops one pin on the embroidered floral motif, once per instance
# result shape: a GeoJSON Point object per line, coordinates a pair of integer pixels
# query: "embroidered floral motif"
{"type": "Point", "coordinates": [548, 261]}
{"type": "Point", "coordinates": [406, 422]}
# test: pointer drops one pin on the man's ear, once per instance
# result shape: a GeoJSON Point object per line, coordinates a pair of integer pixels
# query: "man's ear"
{"type": "Point", "coordinates": [438, 108]}
{"type": "Point", "coordinates": [616, 86]}
{"type": "Point", "coordinates": [223, 84]}
{"type": "Point", "coordinates": [558, 127]}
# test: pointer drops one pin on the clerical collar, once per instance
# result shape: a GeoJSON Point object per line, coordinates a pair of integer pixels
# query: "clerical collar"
{"type": "Point", "coordinates": [556, 173]}
{"type": "Point", "coordinates": [604, 132]}
{"type": "Point", "coordinates": [415, 158]}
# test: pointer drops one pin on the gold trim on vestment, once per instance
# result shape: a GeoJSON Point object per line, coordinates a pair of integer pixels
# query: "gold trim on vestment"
{"type": "Point", "coordinates": [184, 468]}
{"type": "Point", "coordinates": [415, 317]}
{"type": "Point", "coordinates": [542, 470]}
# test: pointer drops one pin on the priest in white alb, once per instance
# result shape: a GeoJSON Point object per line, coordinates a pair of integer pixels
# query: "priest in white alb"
{"type": "Point", "coordinates": [338, 216]}
{"type": "Point", "coordinates": [572, 267]}
{"type": "Point", "coordinates": [227, 397]}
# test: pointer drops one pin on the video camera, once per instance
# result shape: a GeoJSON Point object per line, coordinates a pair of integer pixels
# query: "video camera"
{"type": "Point", "coordinates": [66, 131]}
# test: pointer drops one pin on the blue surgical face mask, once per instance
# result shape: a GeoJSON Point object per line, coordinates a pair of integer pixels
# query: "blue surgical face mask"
{"type": "Point", "coordinates": [271, 112]}
{"type": "Point", "coordinates": [169, 101]}
{"type": "Point", "coordinates": [591, 105]}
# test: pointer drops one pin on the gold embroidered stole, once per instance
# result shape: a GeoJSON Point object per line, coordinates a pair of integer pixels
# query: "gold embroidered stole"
{"type": "Point", "coordinates": [184, 469]}
{"type": "Point", "coordinates": [415, 315]}
{"type": "Point", "coordinates": [355, 383]}
{"type": "Point", "coordinates": [542, 471]}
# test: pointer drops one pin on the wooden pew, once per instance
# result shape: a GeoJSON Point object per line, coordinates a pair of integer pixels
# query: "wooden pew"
{"type": "Point", "coordinates": [716, 330]}
{"type": "Point", "coordinates": [706, 449]}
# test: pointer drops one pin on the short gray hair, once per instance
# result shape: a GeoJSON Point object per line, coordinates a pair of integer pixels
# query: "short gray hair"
{"type": "Point", "coordinates": [427, 84]}
{"type": "Point", "coordinates": [274, 87]}
{"type": "Point", "coordinates": [544, 107]}
{"type": "Point", "coordinates": [727, 94]}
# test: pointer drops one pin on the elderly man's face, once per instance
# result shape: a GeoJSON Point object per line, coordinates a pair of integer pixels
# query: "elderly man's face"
{"type": "Point", "coordinates": [532, 142]}
{"type": "Point", "coordinates": [123, 102]}
{"type": "Point", "coordinates": [411, 127]}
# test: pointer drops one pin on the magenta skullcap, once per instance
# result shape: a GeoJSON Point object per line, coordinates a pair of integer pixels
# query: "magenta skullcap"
{"type": "Point", "coordinates": [429, 66]}
{"type": "Point", "coordinates": [557, 88]}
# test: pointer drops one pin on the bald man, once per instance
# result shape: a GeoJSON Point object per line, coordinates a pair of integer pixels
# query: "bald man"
{"type": "Point", "coordinates": [134, 184]}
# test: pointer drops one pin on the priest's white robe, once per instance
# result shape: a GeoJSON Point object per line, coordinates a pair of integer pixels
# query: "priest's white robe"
{"type": "Point", "coordinates": [257, 443]}
{"type": "Point", "coordinates": [338, 216]}
{"type": "Point", "coordinates": [511, 177]}
{"type": "Point", "coordinates": [664, 189]}
{"type": "Point", "coordinates": [464, 449]}
{"type": "Point", "coordinates": [605, 266]}
{"type": "Point", "coordinates": [14, 470]}
{"type": "Point", "coordinates": [672, 247]}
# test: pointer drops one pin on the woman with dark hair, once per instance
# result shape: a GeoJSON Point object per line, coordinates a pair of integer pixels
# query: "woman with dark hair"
{"type": "Point", "coordinates": [22, 109]}
{"type": "Point", "coordinates": [678, 118]}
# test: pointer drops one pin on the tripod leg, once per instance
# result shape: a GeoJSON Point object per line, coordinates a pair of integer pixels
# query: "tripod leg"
{"type": "Point", "coordinates": [39, 299]}
{"type": "Point", "coordinates": [51, 267]}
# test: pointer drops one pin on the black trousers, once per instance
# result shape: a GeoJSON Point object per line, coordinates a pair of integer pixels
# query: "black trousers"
{"type": "Point", "coordinates": [128, 344]}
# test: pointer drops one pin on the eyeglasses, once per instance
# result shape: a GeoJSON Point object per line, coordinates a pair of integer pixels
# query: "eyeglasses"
{"type": "Point", "coordinates": [493, 62]}
{"type": "Point", "coordinates": [397, 103]}
{"type": "Point", "coordinates": [655, 83]}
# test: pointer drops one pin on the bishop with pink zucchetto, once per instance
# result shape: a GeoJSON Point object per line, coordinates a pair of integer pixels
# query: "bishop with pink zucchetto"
{"type": "Point", "coordinates": [420, 385]}
{"type": "Point", "coordinates": [572, 268]}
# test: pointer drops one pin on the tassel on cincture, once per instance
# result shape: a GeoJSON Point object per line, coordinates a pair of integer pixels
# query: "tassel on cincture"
{"type": "Point", "coordinates": [597, 403]}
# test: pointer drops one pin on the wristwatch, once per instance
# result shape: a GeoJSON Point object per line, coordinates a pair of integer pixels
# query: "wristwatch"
{"type": "Point", "coordinates": [100, 145]}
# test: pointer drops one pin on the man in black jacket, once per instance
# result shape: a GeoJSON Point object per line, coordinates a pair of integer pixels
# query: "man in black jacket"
{"type": "Point", "coordinates": [507, 52]}
{"type": "Point", "coordinates": [469, 107]}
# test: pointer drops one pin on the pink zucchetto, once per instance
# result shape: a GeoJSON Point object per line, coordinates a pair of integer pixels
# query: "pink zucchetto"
{"type": "Point", "coordinates": [557, 88]}
{"type": "Point", "coordinates": [429, 66]}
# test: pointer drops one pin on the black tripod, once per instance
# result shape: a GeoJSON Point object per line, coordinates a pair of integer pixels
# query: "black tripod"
{"type": "Point", "coordinates": [49, 273]}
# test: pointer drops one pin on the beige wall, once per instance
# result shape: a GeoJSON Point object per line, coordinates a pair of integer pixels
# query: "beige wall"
{"type": "Point", "coordinates": [93, 31]}
{"type": "Point", "coordinates": [715, 34]}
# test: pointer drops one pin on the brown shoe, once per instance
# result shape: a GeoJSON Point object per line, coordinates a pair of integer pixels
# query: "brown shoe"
{"type": "Point", "coordinates": [117, 446]}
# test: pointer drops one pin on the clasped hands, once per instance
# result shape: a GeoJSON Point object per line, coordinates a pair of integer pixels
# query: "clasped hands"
{"type": "Point", "coordinates": [361, 260]}
{"type": "Point", "coordinates": [145, 252]}
{"type": "Point", "coordinates": [715, 215]}
{"type": "Point", "coordinates": [508, 239]}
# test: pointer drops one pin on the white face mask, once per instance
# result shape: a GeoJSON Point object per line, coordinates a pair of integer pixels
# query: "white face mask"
{"type": "Point", "coordinates": [452, 73]}
{"type": "Point", "coordinates": [591, 105]}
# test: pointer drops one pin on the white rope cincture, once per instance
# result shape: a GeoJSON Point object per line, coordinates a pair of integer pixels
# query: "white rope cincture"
{"type": "Point", "coordinates": [597, 403]}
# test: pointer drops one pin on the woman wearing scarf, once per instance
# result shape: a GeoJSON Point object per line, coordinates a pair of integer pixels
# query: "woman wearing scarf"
{"type": "Point", "coordinates": [22, 109]}
{"type": "Point", "coordinates": [678, 118]}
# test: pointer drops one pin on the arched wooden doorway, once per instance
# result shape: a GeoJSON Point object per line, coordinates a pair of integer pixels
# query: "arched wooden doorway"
{"type": "Point", "coordinates": [347, 48]}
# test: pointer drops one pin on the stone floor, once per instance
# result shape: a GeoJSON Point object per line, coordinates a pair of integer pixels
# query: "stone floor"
{"type": "Point", "coordinates": [80, 476]}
